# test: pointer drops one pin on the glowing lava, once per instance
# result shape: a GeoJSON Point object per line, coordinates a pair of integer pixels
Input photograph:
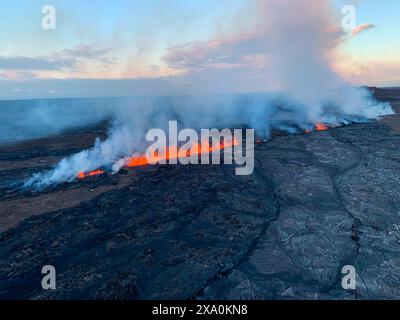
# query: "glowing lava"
{"type": "Point", "coordinates": [321, 127]}
{"type": "Point", "coordinates": [174, 153]}
{"type": "Point", "coordinates": [82, 175]}
{"type": "Point", "coordinates": [171, 153]}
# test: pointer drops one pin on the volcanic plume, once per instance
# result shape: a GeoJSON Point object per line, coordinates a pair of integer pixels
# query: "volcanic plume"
{"type": "Point", "coordinates": [299, 39]}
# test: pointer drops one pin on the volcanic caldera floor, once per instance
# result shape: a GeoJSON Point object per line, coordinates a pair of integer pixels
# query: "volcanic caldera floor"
{"type": "Point", "coordinates": [315, 203]}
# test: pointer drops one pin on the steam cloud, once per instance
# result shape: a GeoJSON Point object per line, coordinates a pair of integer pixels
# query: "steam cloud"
{"type": "Point", "coordinates": [29, 119]}
{"type": "Point", "coordinates": [298, 38]}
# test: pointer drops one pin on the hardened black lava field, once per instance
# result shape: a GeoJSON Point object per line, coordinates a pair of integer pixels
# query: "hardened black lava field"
{"type": "Point", "coordinates": [315, 203]}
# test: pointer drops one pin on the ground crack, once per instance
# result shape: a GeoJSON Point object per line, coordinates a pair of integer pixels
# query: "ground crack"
{"type": "Point", "coordinates": [225, 273]}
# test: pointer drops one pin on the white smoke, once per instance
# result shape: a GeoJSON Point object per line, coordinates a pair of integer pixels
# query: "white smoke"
{"type": "Point", "coordinates": [304, 37]}
{"type": "Point", "coordinates": [300, 39]}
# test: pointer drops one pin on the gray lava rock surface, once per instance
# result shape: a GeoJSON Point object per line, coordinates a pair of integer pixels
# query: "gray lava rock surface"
{"type": "Point", "coordinates": [315, 203]}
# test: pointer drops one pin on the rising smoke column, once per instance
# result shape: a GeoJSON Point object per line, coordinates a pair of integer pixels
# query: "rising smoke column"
{"type": "Point", "coordinates": [300, 39]}
{"type": "Point", "coordinates": [304, 37]}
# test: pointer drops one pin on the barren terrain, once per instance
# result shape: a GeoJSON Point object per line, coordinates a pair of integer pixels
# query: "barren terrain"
{"type": "Point", "coordinates": [315, 203]}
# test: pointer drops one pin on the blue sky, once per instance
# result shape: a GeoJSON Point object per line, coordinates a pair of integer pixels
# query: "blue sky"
{"type": "Point", "coordinates": [133, 41]}
{"type": "Point", "coordinates": [383, 41]}
{"type": "Point", "coordinates": [80, 21]}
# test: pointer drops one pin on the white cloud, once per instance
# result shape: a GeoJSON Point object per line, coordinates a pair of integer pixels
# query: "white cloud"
{"type": "Point", "coordinates": [361, 28]}
{"type": "Point", "coordinates": [65, 60]}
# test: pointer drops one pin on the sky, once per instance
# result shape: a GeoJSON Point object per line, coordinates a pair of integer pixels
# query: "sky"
{"type": "Point", "coordinates": [132, 47]}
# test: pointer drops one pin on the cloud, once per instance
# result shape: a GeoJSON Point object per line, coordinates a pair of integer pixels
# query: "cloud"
{"type": "Point", "coordinates": [86, 52]}
{"type": "Point", "coordinates": [28, 63]}
{"type": "Point", "coordinates": [67, 59]}
{"type": "Point", "coordinates": [234, 52]}
{"type": "Point", "coordinates": [287, 36]}
{"type": "Point", "coordinates": [361, 28]}
{"type": "Point", "coordinates": [16, 75]}
{"type": "Point", "coordinates": [261, 55]}
{"type": "Point", "coordinates": [370, 72]}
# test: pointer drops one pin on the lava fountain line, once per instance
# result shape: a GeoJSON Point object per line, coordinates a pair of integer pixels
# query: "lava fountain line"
{"type": "Point", "coordinates": [82, 175]}
{"type": "Point", "coordinates": [173, 153]}
{"type": "Point", "coordinates": [169, 154]}
{"type": "Point", "coordinates": [321, 126]}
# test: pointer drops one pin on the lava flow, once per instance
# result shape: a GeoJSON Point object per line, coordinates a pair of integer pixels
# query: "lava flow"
{"type": "Point", "coordinates": [174, 153]}
{"type": "Point", "coordinates": [319, 126]}
{"type": "Point", "coordinates": [171, 153]}
{"type": "Point", "coordinates": [82, 175]}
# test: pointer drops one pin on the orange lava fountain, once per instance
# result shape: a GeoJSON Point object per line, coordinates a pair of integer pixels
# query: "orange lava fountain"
{"type": "Point", "coordinates": [321, 127]}
{"type": "Point", "coordinates": [82, 175]}
{"type": "Point", "coordinates": [171, 153]}
{"type": "Point", "coordinates": [174, 153]}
